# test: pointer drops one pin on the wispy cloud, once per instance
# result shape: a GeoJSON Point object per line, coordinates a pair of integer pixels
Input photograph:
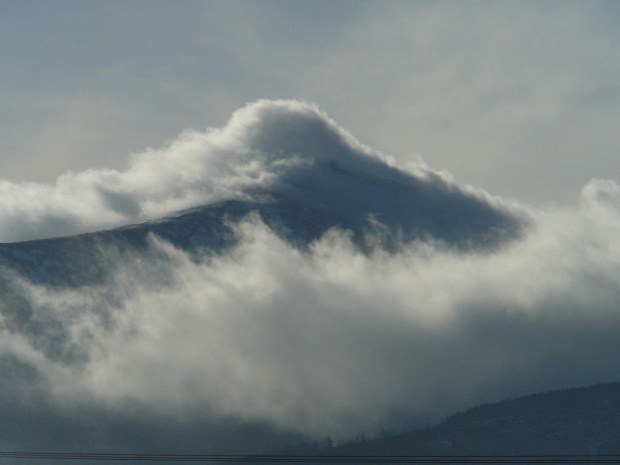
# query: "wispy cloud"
{"type": "Point", "coordinates": [264, 146]}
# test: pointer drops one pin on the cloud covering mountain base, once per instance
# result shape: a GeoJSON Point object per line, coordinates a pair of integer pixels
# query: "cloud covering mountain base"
{"type": "Point", "coordinates": [328, 339]}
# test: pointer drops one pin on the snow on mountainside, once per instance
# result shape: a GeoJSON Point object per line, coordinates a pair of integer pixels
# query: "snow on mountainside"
{"type": "Point", "coordinates": [293, 166]}
{"type": "Point", "coordinates": [77, 260]}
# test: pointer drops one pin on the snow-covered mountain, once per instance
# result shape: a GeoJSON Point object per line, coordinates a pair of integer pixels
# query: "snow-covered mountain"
{"type": "Point", "coordinates": [395, 211]}
{"type": "Point", "coordinates": [296, 169]}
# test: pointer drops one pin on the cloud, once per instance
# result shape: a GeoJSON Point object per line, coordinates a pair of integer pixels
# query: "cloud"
{"type": "Point", "coordinates": [269, 338]}
{"type": "Point", "coordinates": [506, 97]}
{"type": "Point", "coordinates": [328, 340]}
{"type": "Point", "coordinates": [275, 146]}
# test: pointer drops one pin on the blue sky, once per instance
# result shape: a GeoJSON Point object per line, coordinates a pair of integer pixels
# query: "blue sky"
{"type": "Point", "coordinates": [518, 98]}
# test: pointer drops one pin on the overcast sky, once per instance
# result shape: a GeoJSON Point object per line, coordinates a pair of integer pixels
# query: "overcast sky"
{"type": "Point", "coordinates": [518, 98]}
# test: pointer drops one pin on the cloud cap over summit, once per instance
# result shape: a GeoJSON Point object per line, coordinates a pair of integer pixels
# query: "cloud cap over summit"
{"type": "Point", "coordinates": [280, 147]}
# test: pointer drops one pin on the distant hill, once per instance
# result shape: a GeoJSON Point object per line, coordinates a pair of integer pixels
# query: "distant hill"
{"type": "Point", "coordinates": [580, 421]}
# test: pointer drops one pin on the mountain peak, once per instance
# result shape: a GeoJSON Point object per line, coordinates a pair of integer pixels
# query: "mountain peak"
{"type": "Point", "coordinates": [288, 148]}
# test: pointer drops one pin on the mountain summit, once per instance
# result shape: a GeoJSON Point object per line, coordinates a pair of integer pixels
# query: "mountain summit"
{"type": "Point", "coordinates": [270, 153]}
{"type": "Point", "coordinates": [285, 161]}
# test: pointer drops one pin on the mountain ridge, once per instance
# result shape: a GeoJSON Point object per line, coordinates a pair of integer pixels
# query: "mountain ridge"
{"type": "Point", "coordinates": [574, 421]}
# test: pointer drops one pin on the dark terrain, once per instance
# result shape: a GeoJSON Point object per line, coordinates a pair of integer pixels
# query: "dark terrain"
{"type": "Point", "coordinates": [580, 421]}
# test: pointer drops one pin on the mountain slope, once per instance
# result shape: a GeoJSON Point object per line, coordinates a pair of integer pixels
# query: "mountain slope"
{"type": "Point", "coordinates": [579, 421]}
{"type": "Point", "coordinates": [386, 203]}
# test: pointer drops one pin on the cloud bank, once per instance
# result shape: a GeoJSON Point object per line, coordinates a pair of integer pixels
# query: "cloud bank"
{"type": "Point", "coordinates": [323, 340]}
{"type": "Point", "coordinates": [331, 340]}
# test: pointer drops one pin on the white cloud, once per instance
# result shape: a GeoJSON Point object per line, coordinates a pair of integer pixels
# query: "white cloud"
{"type": "Point", "coordinates": [515, 97]}
{"type": "Point", "coordinates": [334, 341]}
{"type": "Point", "coordinates": [263, 147]}
{"type": "Point", "coordinates": [192, 170]}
